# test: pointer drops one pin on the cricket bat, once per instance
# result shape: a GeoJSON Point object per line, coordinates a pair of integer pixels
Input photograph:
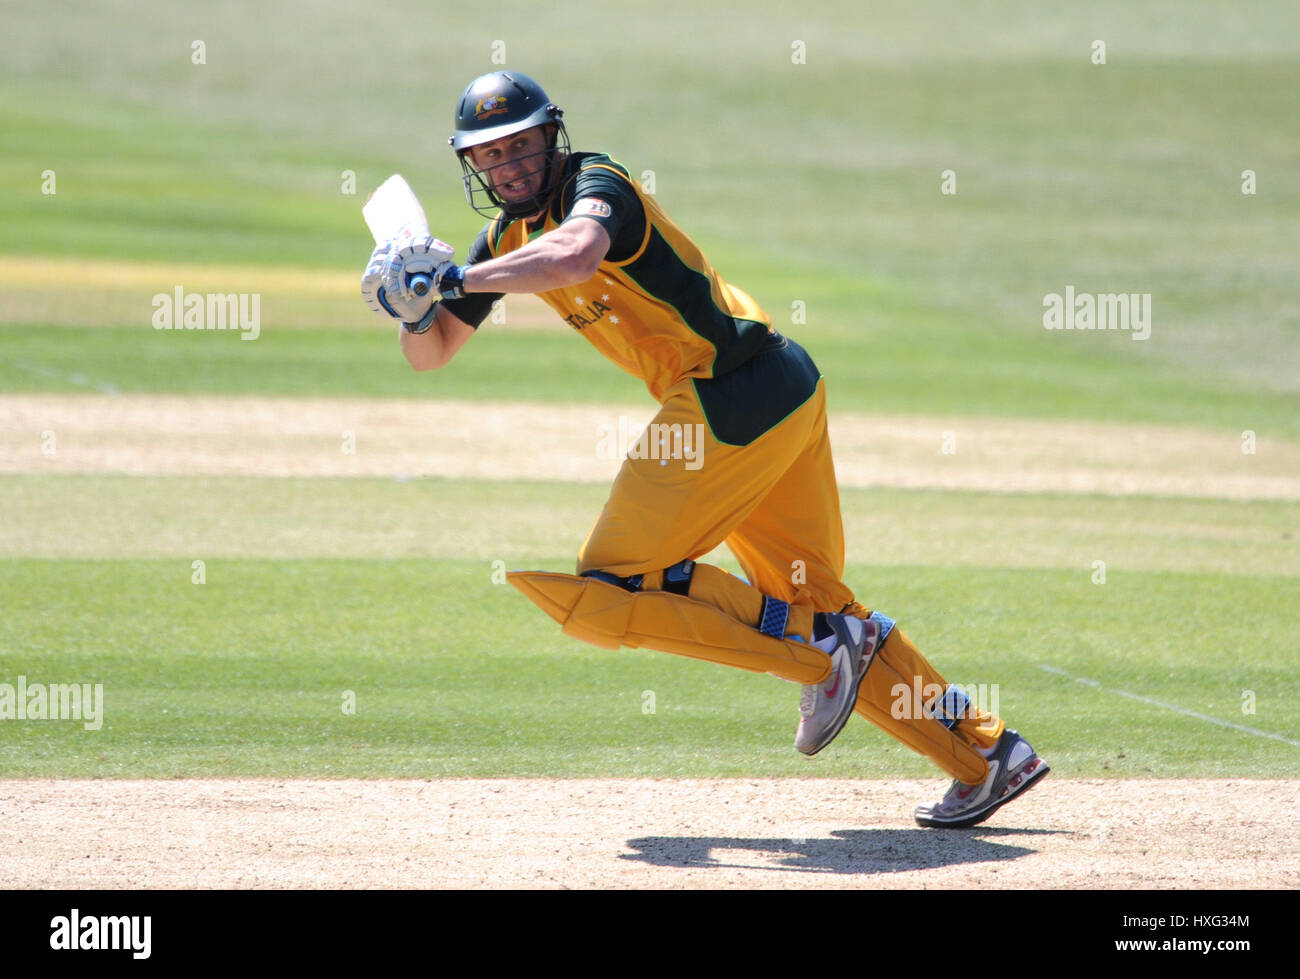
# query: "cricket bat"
{"type": "Point", "coordinates": [393, 211]}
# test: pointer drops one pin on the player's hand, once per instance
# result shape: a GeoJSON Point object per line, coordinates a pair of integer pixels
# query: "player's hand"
{"type": "Point", "coordinates": [430, 258]}
{"type": "Point", "coordinates": [383, 286]}
{"type": "Point", "coordinates": [372, 279]}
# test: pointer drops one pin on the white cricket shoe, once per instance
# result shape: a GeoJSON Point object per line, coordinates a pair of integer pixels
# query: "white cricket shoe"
{"type": "Point", "coordinates": [825, 707]}
{"type": "Point", "coordinates": [1014, 767]}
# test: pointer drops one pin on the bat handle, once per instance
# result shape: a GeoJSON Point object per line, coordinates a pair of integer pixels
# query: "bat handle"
{"type": "Point", "coordinates": [421, 284]}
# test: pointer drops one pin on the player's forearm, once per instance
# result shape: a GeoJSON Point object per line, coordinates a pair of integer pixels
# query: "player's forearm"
{"type": "Point", "coordinates": [423, 351]}
{"type": "Point", "coordinates": [436, 346]}
{"type": "Point", "coordinates": [550, 262]}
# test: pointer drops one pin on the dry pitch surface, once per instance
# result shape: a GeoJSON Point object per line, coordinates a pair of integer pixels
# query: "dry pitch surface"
{"type": "Point", "coordinates": [174, 434]}
{"type": "Point", "coordinates": [635, 833]}
{"type": "Point", "coordinates": [259, 833]}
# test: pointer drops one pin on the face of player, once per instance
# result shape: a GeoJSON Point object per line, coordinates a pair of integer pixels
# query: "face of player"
{"type": "Point", "coordinates": [515, 165]}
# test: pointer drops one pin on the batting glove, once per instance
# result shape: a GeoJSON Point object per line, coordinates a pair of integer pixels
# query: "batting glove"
{"type": "Point", "coordinates": [431, 258]}
{"type": "Point", "coordinates": [372, 280]}
{"type": "Point", "coordinates": [383, 286]}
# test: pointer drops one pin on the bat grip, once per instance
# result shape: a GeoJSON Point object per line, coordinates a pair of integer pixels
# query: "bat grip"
{"type": "Point", "coordinates": [421, 284]}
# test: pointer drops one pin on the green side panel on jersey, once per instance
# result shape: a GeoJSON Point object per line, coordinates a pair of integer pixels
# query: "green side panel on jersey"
{"type": "Point", "coordinates": [663, 275]}
{"type": "Point", "coordinates": [758, 395]}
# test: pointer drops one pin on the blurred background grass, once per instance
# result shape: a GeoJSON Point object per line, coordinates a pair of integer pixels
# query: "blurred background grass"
{"type": "Point", "coordinates": [814, 182]}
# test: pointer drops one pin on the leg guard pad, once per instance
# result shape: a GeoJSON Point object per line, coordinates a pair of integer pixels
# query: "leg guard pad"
{"type": "Point", "coordinates": [881, 700]}
{"type": "Point", "coordinates": [609, 616]}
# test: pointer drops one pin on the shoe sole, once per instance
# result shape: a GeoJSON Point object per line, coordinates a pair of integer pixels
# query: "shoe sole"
{"type": "Point", "coordinates": [834, 731]}
{"type": "Point", "coordinates": [1028, 781]}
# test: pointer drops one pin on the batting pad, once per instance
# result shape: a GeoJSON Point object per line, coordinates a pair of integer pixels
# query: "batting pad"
{"type": "Point", "coordinates": [882, 701]}
{"type": "Point", "coordinates": [608, 616]}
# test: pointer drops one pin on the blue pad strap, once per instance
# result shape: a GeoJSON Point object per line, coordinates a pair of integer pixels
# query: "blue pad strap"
{"type": "Point", "coordinates": [886, 625]}
{"type": "Point", "coordinates": [775, 615]}
{"type": "Point", "coordinates": [677, 579]}
{"type": "Point", "coordinates": [950, 707]}
{"type": "Point", "coordinates": [627, 584]}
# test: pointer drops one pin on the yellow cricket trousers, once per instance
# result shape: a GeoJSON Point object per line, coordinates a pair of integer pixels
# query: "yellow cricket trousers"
{"type": "Point", "coordinates": [774, 500]}
{"type": "Point", "coordinates": [746, 459]}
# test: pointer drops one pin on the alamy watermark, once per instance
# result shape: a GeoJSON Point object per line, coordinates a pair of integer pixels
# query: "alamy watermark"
{"type": "Point", "coordinates": [209, 311]}
{"type": "Point", "coordinates": [948, 705]}
{"type": "Point", "coordinates": [1102, 311]}
{"type": "Point", "coordinates": [98, 932]}
{"type": "Point", "coordinates": [656, 441]}
{"type": "Point", "coordinates": [53, 702]}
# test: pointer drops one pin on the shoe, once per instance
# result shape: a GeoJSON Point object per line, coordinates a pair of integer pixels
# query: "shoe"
{"type": "Point", "coordinates": [1014, 767]}
{"type": "Point", "coordinates": [825, 707]}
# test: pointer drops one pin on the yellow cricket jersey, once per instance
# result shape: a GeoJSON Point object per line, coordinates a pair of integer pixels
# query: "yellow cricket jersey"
{"type": "Point", "coordinates": [655, 306]}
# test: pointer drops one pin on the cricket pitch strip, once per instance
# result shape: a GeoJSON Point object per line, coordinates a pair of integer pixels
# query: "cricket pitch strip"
{"type": "Point", "coordinates": [639, 833]}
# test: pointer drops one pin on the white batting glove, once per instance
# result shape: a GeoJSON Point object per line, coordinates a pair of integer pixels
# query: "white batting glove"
{"type": "Point", "coordinates": [396, 292]}
{"type": "Point", "coordinates": [383, 287]}
{"type": "Point", "coordinates": [430, 258]}
{"type": "Point", "coordinates": [372, 279]}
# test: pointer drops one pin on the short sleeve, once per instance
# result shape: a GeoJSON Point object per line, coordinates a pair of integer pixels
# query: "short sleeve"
{"type": "Point", "coordinates": [474, 308]}
{"type": "Point", "coordinates": [607, 197]}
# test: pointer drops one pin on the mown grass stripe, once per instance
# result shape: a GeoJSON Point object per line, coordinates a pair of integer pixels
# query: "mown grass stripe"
{"type": "Point", "coordinates": [71, 377]}
{"type": "Point", "coordinates": [1174, 707]}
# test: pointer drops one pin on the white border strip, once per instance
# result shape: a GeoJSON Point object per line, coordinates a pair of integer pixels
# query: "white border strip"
{"type": "Point", "coordinates": [1181, 710]}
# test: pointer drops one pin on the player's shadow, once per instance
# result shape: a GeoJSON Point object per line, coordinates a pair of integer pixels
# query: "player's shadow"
{"type": "Point", "coordinates": [852, 851]}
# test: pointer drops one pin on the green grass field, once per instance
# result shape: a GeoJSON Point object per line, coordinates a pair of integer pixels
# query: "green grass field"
{"type": "Point", "coordinates": [814, 183]}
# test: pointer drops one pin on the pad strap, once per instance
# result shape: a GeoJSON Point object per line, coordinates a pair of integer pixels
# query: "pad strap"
{"type": "Point", "coordinates": [627, 584]}
{"type": "Point", "coordinates": [886, 625]}
{"type": "Point", "coordinates": [775, 615]}
{"type": "Point", "coordinates": [677, 579]}
{"type": "Point", "coordinates": [950, 707]}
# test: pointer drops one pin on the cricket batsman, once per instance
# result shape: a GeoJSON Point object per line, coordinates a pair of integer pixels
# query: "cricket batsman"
{"type": "Point", "coordinates": [576, 230]}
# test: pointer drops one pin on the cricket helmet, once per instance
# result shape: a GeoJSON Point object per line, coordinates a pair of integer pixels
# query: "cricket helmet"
{"type": "Point", "coordinates": [501, 104]}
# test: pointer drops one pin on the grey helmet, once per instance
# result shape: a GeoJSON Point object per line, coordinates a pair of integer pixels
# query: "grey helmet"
{"type": "Point", "coordinates": [500, 104]}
